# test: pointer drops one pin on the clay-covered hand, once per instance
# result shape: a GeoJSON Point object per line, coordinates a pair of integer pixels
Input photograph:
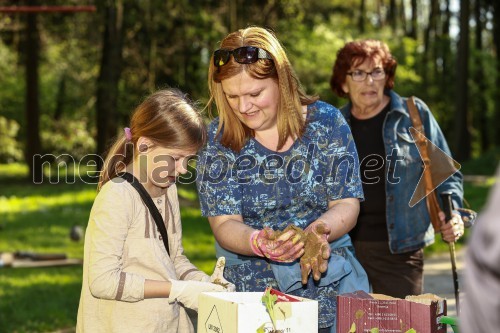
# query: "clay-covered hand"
{"type": "Point", "coordinates": [285, 246]}
{"type": "Point", "coordinates": [217, 276]}
{"type": "Point", "coordinates": [451, 230]}
{"type": "Point", "coordinates": [187, 292]}
{"type": "Point", "coordinates": [317, 251]}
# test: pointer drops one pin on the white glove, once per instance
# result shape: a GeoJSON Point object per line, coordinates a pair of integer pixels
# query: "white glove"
{"type": "Point", "coordinates": [187, 292]}
{"type": "Point", "coordinates": [218, 275]}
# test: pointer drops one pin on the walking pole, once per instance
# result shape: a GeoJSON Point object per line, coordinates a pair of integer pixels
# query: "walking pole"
{"type": "Point", "coordinates": [447, 208]}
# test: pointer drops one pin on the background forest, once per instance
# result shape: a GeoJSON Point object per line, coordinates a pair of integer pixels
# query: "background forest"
{"type": "Point", "coordinates": [70, 79]}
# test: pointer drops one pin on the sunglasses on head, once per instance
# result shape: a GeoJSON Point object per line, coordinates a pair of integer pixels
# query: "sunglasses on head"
{"type": "Point", "coordinates": [242, 55]}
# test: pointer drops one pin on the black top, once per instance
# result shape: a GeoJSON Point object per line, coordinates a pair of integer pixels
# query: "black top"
{"type": "Point", "coordinates": [368, 135]}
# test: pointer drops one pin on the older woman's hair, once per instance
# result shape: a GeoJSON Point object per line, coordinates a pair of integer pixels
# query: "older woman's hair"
{"type": "Point", "coordinates": [355, 53]}
{"type": "Point", "coordinates": [290, 115]}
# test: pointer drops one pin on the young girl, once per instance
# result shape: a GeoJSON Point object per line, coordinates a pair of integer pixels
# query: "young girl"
{"type": "Point", "coordinates": [130, 282]}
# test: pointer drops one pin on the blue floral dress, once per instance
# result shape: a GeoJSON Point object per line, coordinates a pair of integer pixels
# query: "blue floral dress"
{"type": "Point", "coordinates": [275, 189]}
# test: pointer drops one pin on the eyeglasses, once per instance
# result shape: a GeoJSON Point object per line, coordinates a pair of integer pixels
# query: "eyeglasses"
{"type": "Point", "coordinates": [242, 55]}
{"type": "Point", "coordinates": [359, 75]}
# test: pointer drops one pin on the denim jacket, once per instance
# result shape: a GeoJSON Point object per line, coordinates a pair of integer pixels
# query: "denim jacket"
{"type": "Point", "coordinates": [409, 228]}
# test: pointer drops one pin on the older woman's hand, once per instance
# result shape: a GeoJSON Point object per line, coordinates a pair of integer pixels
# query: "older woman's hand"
{"type": "Point", "coordinates": [451, 230]}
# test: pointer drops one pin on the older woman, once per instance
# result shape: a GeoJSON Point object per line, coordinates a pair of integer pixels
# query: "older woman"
{"type": "Point", "coordinates": [390, 235]}
{"type": "Point", "coordinates": [277, 157]}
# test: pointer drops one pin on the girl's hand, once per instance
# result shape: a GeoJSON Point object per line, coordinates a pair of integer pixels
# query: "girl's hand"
{"type": "Point", "coordinates": [188, 292]}
{"type": "Point", "coordinates": [217, 276]}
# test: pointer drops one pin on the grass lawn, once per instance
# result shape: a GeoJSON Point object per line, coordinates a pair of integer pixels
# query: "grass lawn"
{"type": "Point", "coordinates": [39, 217]}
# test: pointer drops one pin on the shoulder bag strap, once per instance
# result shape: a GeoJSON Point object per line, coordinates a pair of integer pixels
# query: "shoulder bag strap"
{"type": "Point", "coordinates": [151, 206]}
{"type": "Point", "coordinates": [421, 140]}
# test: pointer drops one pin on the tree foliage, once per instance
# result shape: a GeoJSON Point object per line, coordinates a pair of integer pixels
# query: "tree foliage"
{"type": "Point", "coordinates": [92, 83]}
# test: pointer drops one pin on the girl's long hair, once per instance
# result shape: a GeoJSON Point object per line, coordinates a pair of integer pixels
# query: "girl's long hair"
{"type": "Point", "coordinates": [167, 118]}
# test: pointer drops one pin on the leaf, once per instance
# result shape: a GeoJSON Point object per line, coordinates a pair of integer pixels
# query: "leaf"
{"type": "Point", "coordinates": [353, 328]}
{"type": "Point", "coordinates": [269, 300]}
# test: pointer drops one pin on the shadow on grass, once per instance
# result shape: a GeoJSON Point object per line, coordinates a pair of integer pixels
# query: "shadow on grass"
{"type": "Point", "coordinates": [39, 299]}
{"type": "Point", "coordinates": [40, 215]}
{"type": "Point", "coordinates": [44, 229]}
{"type": "Point", "coordinates": [21, 187]}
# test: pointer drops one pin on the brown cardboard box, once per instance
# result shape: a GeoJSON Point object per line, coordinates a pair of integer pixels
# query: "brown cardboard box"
{"type": "Point", "coordinates": [361, 312]}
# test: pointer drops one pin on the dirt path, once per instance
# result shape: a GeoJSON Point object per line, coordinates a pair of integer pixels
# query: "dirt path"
{"type": "Point", "coordinates": [438, 278]}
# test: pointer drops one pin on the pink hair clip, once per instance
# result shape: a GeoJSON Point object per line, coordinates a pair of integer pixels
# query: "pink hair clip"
{"type": "Point", "coordinates": [128, 134]}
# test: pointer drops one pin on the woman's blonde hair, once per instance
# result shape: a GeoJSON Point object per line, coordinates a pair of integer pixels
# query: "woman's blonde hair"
{"type": "Point", "coordinates": [291, 122]}
{"type": "Point", "coordinates": [167, 118]}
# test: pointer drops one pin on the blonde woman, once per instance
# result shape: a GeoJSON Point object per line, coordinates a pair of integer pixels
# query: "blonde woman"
{"type": "Point", "coordinates": [276, 157]}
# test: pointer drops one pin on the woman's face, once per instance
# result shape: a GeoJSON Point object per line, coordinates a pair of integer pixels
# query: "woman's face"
{"type": "Point", "coordinates": [368, 93]}
{"type": "Point", "coordinates": [254, 101]}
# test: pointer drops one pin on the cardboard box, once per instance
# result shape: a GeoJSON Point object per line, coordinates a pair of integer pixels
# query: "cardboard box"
{"type": "Point", "coordinates": [243, 312]}
{"type": "Point", "coordinates": [360, 312]}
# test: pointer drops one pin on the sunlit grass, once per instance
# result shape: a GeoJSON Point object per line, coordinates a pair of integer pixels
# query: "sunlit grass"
{"type": "Point", "coordinates": [187, 192]}
{"type": "Point", "coordinates": [198, 240]}
{"type": "Point", "coordinates": [64, 170]}
{"type": "Point", "coordinates": [14, 204]}
{"type": "Point", "coordinates": [13, 170]}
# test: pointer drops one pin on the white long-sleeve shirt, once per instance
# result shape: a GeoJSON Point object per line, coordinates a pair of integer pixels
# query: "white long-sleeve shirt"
{"type": "Point", "coordinates": [123, 248]}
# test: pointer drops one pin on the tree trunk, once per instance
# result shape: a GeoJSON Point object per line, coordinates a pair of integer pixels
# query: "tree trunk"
{"type": "Point", "coordinates": [496, 40]}
{"type": "Point", "coordinates": [430, 31]}
{"type": "Point", "coordinates": [361, 17]}
{"type": "Point", "coordinates": [446, 74]}
{"type": "Point", "coordinates": [109, 75]}
{"type": "Point", "coordinates": [435, 38]}
{"type": "Point", "coordinates": [462, 132]}
{"type": "Point", "coordinates": [446, 40]}
{"type": "Point", "coordinates": [392, 16]}
{"type": "Point", "coordinates": [33, 142]}
{"type": "Point", "coordinates": [413, 25]}
{"type": "Point", "coordinates": [402, 17]}
{"type": "Point", "coordinates": [482, 111]}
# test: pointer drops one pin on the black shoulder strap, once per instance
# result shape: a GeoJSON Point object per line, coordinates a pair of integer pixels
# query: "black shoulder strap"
{"type": "Point", "coordinates": [151, 206]}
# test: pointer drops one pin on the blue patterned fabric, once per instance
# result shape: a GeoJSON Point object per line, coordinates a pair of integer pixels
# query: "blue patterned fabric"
{"type": "Point", "coordinates": [277, 189]}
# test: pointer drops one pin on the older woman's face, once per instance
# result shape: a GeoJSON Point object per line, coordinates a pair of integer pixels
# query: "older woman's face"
{"type": "Point", "coordinates": [368, 93]}
{"type": "Point", "coordinates": [254, 101]}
